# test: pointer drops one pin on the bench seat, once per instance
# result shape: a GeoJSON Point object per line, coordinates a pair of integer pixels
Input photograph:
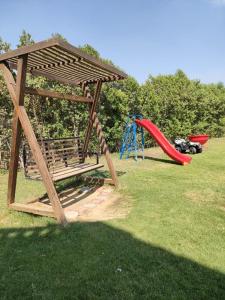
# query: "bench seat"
{"type": "Point", "coordinates": [63, 158]}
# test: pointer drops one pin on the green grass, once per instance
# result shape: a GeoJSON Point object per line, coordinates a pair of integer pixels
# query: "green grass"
{"type": "Point", "coordinates": [170, 246]}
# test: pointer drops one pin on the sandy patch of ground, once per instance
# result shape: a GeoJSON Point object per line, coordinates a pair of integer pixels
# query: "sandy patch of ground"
{"type": "Point", "coordinates": [94, 204]}
{"type": "Point", "coordinates": [90, 203]}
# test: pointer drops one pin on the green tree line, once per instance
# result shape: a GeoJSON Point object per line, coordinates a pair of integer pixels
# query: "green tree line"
{"type": "Point", "coordinates": [178, 105]}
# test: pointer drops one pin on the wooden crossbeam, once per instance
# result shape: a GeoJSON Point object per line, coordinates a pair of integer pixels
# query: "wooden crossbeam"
{"type": "Point", "coordinates": [51, 94]}
{"type": "Point", "coordinates": [33, 208]}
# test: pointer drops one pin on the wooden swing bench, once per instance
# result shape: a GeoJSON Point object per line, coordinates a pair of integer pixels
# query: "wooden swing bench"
{"type": "Point", "coordinates": [54, 159]}
{"type": "Point", "coordinates": [64, 159]}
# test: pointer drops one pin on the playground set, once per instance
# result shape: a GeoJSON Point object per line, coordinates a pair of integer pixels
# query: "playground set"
{"type": "Point", "coordinates": [135, 125]}
{"type": "Point", "coordinates": [53, 160]}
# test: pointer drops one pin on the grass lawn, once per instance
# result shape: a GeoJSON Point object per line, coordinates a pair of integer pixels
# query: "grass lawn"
{"type": "Point", "coordinates": [170, 246]}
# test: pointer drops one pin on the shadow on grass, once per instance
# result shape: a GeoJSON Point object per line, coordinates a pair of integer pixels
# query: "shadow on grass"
{"type": "Point", "coordinates": [106, 174]}
{"type": "Point", "coordinates": [96, 261]}
{"type": "Point", "coordinates": [73, 190]}
{"type": "Point", "coordinates": [167, 161]}
{"type": "Point", "coordinates": [94, 179]}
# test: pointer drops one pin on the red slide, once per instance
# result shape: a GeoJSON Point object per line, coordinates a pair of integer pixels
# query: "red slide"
{"type": "Point", "coordinates": [163, 142]}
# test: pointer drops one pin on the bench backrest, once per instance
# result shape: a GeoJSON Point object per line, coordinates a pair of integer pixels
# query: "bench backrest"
{"type": "Point", "coordinates": [58, 153]}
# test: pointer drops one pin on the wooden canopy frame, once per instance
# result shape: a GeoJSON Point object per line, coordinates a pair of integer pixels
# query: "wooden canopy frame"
{"type": "Point", "coordinates": [62, 62]}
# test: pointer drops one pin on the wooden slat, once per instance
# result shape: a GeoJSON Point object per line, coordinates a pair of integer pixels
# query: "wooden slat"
{"type": "Point", "coordinates": [38, 59]}
{"type": "Point", "coordinates": [66, 151]}
{"type": "Point", "coordinates": [29, 49]}
{"type": "Point", "coordinates": [54, 77]}
{"type": "Point", "coordinates": [56, 168]}
{"type": "Point", "coordinates": [77, 172]}
{"type": "Point", "coordinates": [44, 55]}
{"type": "Point", "coordinates": [49, 75]}
{"type": "Point", "coordinates": [67, 72]}
{"type": "Point", "coordinates": [68, 63]}
{"type": "Point", "coordinates": [52, 94]}
{"type": "Point", "coordinates": [67, 172]}
{"type": "Point", "coordinates": [64, 46]}
{"type": "Point", "coordinates": [54, 65]}
{"type": "Point", "coordinates": [34, 208]}
{"type": "Point", "coordinates": [60, 155]}
{"type": "Point", "coordinates": [60, 73]}
{"type": "Point", "coordinates": [71, 75]}
{"type": "Point", "coordinates": [70, 168]}
{"type": "Point", "coordinates": [62, 139]}
{"type": "Point", "coordinates": [63, 77]}
{"type": "Point", "coordinates": [90, 59]}
{"type": "Point", "coordinates": [79, 63]}
{"type": "Point", "coordinates": [103, 79]}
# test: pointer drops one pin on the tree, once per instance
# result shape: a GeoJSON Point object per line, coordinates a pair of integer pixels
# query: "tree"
{"type": "Point", "coordinates": [25, 39]}
{"type": "Point", "coordinates": [59, 36]}
{"type": "Point", "coordinates": [90, 50]}
{"type": "Point", "coordinates": [178, 105]}
{"type": "Point", "coordinates": [4, 46]}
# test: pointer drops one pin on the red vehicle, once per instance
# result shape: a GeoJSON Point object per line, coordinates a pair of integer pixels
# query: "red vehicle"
{"type": "Point", "coordinates": [202, 139]}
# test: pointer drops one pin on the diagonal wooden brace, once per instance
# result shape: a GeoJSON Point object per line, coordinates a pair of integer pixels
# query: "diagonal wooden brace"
{"type": "Point", "coordinates": [94, 122]}
{"type": "Point", "coordinates": [104, 148]}
{"type": "Point", "coordinates": [21, 115]}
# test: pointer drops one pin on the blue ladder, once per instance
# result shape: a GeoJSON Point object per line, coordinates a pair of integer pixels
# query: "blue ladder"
{"type": "Point", "coordinates": [129, 141]}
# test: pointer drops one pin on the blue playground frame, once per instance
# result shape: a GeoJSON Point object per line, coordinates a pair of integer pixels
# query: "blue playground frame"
{"type": "Point", "coordinates": [129, 141]}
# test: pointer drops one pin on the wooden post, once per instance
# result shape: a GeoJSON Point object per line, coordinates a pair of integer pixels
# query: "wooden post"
{"type": "Point", "coordinates": [16, 129]}
{"type": "Point", "coordinates": [105, 149]}
{"type": "Point", "coordinates": [94, 122]}
{"type": "Point", "coordinates": [33, 143]}
{"type": "Point", "coordinates": [92, 109]}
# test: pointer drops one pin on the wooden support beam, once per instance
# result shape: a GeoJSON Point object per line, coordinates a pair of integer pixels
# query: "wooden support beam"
{"type": "Point", "coordinates": [33, 143]}
{"type": "Point", "coordinates": [16, 129]}
{"type": "Point", "coordinates": [92, 109]}
{"type": "Point", "coordinates": [14, 159]}
{"type": "Point", "coordinates": [94, 122]}
{"type": "Point", "coordinates": [34, 208]}
{"type": "Point", "coordinates": [51, 94]}
{"type": "Point", "coordinates": [104, 148]}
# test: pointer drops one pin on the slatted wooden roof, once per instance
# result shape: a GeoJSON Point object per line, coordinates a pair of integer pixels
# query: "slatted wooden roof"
{"type": "Point", "coordinates": [60, 61]}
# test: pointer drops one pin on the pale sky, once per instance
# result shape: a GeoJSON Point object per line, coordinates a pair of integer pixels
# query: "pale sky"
{"type": "Point", "coordinates": [141, 36]}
